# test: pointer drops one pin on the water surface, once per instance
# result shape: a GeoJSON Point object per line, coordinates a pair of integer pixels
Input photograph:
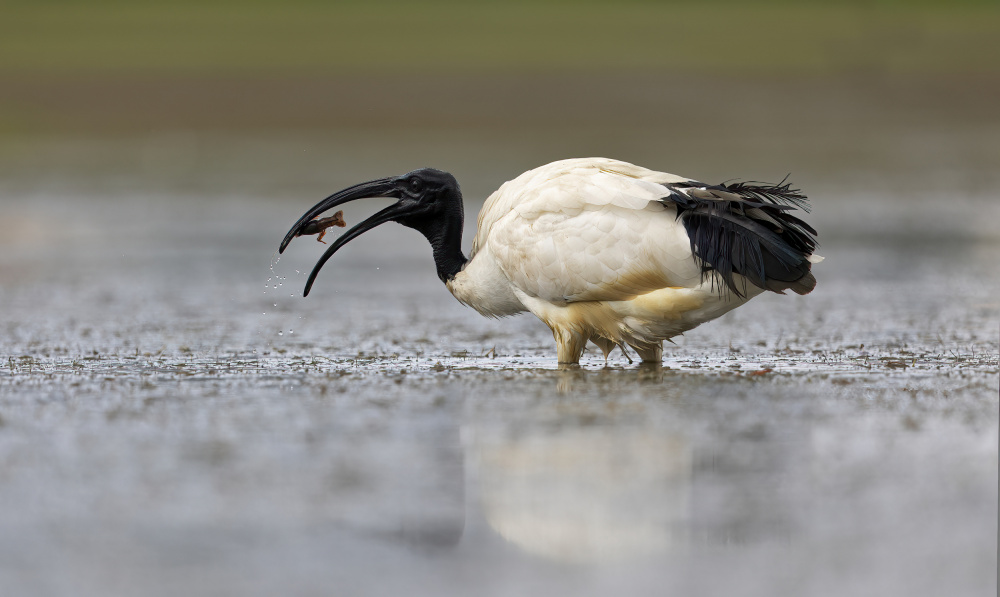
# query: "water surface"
{"type": "Point", "coordinates": [176, 418]}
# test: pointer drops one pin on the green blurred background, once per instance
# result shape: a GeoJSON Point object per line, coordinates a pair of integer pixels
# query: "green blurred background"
{"type": "Point", "coordinates": [291, 96]}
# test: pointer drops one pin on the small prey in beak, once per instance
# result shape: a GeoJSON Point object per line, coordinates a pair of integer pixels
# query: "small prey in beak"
{"type": "Point", "coordinates": [319, 226]}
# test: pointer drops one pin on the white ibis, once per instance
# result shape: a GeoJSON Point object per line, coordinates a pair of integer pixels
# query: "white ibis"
{"type": "Point", "coordinates": [599, 249]}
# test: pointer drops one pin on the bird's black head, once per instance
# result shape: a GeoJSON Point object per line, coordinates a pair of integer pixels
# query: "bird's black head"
{"type": "Point", "coordinates": [428, 200]}
{"type": "Point", "coordinates": [426, 196]}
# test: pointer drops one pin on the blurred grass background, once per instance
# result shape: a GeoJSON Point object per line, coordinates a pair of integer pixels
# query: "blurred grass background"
{"type": "Point", "coordinates": [180, 93]}
{"type": "Point", "coordinates": [267, 37]}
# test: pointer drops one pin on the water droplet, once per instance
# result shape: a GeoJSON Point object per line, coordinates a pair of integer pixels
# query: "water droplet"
{"type": "Point", "coordinates": [291, 331]}
{"type": "Point", "coordinates": [275, 304]}
{"type": "Point", "coordinates": [264, 313]}
{"type": "Point", "coordinates": [280, 333]}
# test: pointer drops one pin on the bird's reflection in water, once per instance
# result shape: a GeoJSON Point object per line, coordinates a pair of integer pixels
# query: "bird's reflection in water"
{"type": "Point", "coordinates": [582, 494]}
{"type": "Point", "coordinates": [614, 468]}
{"type": "Point", "coordinates": [568, 375]}
{"type": "Point", "coordinates": [620, 468]}
{"type": "Point", "coordinates": [575, 479]}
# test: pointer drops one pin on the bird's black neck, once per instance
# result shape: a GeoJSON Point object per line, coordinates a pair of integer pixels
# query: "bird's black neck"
{"type": "Point", "coordinates": [449, 258]}
{"type": "Point", "coordinates": [444, 233]}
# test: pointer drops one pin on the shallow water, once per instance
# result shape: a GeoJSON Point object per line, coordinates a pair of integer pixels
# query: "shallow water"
{"type": "Point", "coordinates": [176, 419]}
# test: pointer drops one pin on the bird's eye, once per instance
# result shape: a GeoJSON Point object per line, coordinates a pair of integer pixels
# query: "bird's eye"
{"type": "Point", "coordinates": [416, 185]}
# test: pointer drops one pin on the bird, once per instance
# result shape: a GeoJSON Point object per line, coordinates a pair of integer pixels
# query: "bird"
{"type": "Point", "coordinates": [600, 250]}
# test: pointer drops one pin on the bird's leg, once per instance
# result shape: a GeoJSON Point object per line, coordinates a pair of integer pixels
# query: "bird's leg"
{"type": "Point", "coordinates": [569, 344]}
{"type": "Point", "coordinates": [650, 353]}
{"type": "Point", "coordinates": [625, 353]}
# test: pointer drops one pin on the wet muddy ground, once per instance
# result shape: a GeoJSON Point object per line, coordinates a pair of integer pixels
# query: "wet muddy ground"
{"type": "Point", "coordinates": [176, 419]}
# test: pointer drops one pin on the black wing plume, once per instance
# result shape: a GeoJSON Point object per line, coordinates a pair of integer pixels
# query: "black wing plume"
{"type": "Point", "coordinates": [775, 194]}
{"type": "Point", "coordinates": [744, 228]}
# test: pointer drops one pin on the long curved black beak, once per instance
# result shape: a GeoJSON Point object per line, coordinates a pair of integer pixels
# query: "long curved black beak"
{"type": "Point", "coordinates": [384, 187]}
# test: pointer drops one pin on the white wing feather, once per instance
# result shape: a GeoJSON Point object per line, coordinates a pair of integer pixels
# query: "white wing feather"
{"type": "Point", "coordinates": [586, 230]}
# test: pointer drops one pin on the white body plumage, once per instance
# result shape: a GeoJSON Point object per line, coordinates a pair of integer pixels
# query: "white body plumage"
{"type": "Point", "coordinates": [588, 247]}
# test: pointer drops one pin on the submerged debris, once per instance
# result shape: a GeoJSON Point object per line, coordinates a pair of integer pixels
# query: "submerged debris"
{"type": "Point", "coordinates": [320, 225]}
